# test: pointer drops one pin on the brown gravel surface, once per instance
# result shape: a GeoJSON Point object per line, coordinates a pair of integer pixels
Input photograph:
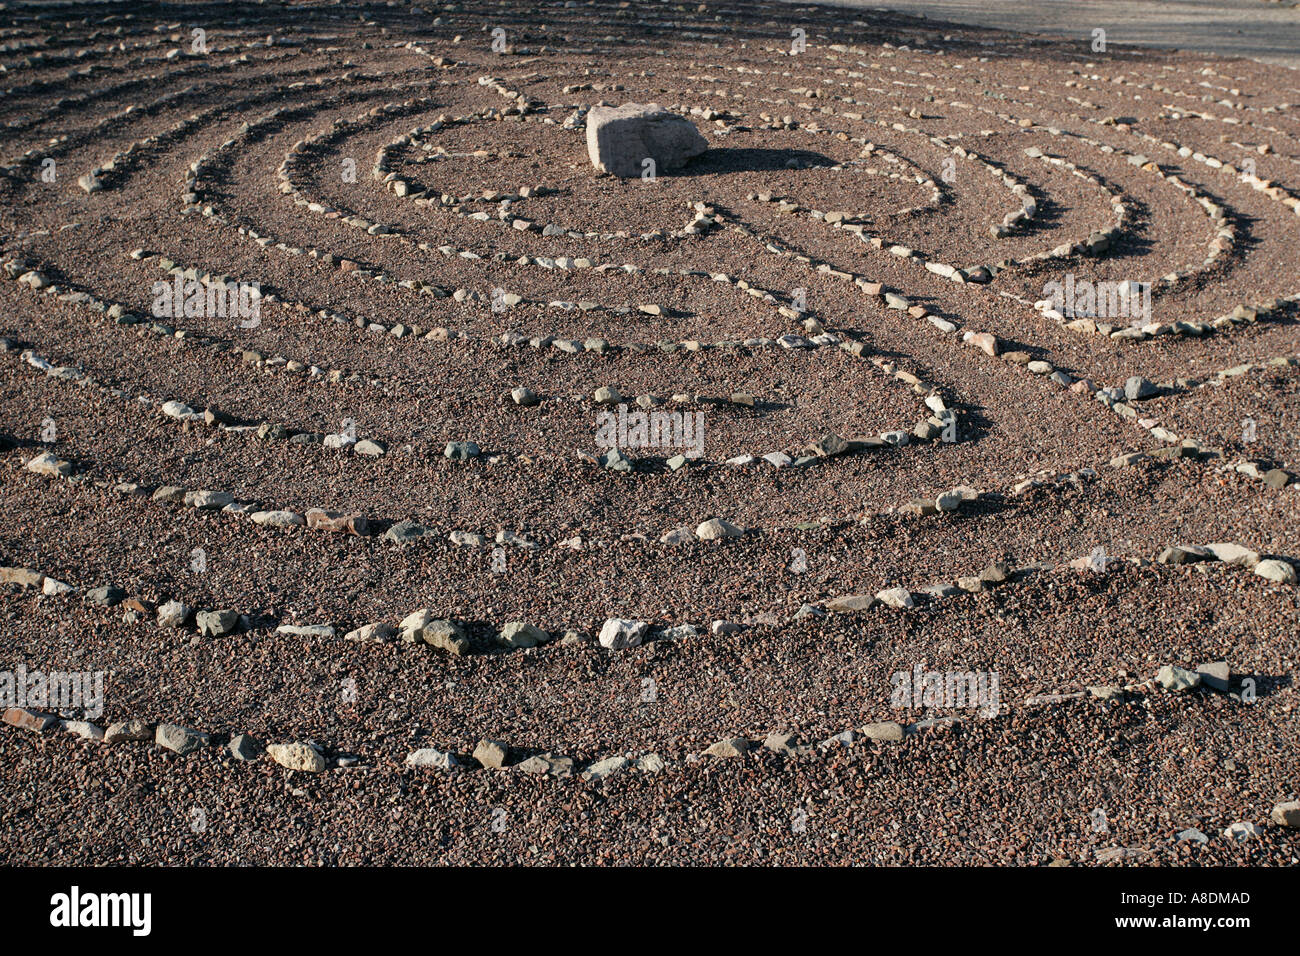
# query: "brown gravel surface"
{"type": "Point", "coordinates": [751, 272]}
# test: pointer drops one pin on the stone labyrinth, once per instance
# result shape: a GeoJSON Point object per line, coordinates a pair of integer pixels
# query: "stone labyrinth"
{"type": "Point", "coordinates": [364, 585]}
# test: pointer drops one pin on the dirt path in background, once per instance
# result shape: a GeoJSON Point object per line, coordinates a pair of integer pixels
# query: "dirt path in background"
{"type": "Point", "coordinates": [1269, 32]}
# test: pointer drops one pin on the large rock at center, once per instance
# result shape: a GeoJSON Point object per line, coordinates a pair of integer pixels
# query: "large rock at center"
{"type": "Point", "coordinates": [620, 138]}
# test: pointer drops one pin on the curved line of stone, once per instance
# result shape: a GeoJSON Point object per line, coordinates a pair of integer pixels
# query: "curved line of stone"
{"type": "Point", "coordinates": [180, 412]}
{"type": "Point", "coordinates": [1225, 233]}
{"type": "Point", "coordinates": [194, 188]}
{"type": "Point", "coordinates": [305, 756]}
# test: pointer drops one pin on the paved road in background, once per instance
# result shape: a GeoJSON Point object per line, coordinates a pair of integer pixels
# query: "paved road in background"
{"type": "Point", "coordinates": [1263, 31]}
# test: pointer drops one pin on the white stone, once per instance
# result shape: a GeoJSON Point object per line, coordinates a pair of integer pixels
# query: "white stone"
{"type": "Point", "coordinates": [1274, 570]}
{"type": "Point", "coordinates": [620, 139]}
{"type": "Point", "coordinates": [715, 529]}
{"type": "Point", "coordinates": [297, 756]}
{"type": "Point", "coordinates": [306, 630]}
{"type": "Point", "coordinates": [372, 633]}
{"type": "Point", "coordinates": [431, 758]}
{"type": "Point", "coordinates": [277, 519]}
{"type": "Point", "coordinates": [896, 597]}
{"type": "Point", "coordinates": [618, 633]}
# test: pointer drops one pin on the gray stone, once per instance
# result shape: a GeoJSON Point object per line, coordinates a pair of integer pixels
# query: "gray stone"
{"type": "Point", "coordinates": [884, 730]}
{"type": "Point", "coordinates": [1242, 832]}
{"type": "Point", "coordinates": [850, 603]}
{"type": "Point", "coordinates": [182, 740]}
{"type": "Point", "coordinates": [108, 596]}
{"type": "Point", "coordinates": [306, 630]}
{"type": "Point", "coordinates": [515, 541]}
{"type": "Point", "coordinates": [1173, 677]}
{"type": "Point", "coordinates": [948, 501]}
{"type": "Point", "coordinates": [606, 767]}
{"type": "Point", "coordinates": [829, 445]}
{"type": "Point", "coordinates": [1106, 692]}
{"type": "Point", "coordinates": [546, 765]}
{"type": "Point", "coordinates": [23, 577]}
{"type": "Point", "coordinates": [520, 634]}
{"type": "Point", "coordinates": [1132, 458]}
{"type": "Point", "coordinates": [678, 536]}
{"type": "Point", "coordinates": [620, 138]}
{"type": "Point", "coordinates": [446, 636]}
{"type": "Point", "coordinates": [1216, 675]}
{"type": "Point", "coordinates": [405, 532]}
{"type": "Point", "coordinates": [49, 464]}
{"type": "Point", "coordinates": [245, 747]}
{"type": "Point", "coordinates": [409, 628]}
{"type": "Point", "coordinates": [844, 738]}
{"type": "Point", "coordinates": [1276, 478]}
{"type": "Point", "coordinates": [1237, 554]}
{"type": "Point", "coordinates": [169, 494]}
{"type": "Point", "coordinates": [680, 632]}
{"type": "Point", "coordinates": [1137, 388]}
{"type": "Point", "coordinates": [995, 573]}
{"type": "Point", "coordinates": [133, 730]}
{"type": "Point", "coordinates": [467, 539]}
{"type": "Point", "coordinates": [1183, 554]}
{"type": "Point", "coordinates": [462, 450]}
{"type": "Point", "coordinates": [216, 623]}
{"type": "Point", "coordinates": [940, 591]}
{"type": "Point", "coordinates": [730, 747]}
{"type": "Point", "coordinates": [178, 410]}
{"type": "Point", "coordinates": [650, 763]}
{"type": "Point", "coordinates": [780, 743]}
{"type": "Point", "coordinates": [615, 460]}
{"type": "Point", "coordinates": [211, 500]}
{"type": "Point", "coordinates": [83, 729]}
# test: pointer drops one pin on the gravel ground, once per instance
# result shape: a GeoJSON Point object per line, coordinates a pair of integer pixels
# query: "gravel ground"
{"type": "Point", "coordinates": [960, 484]}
